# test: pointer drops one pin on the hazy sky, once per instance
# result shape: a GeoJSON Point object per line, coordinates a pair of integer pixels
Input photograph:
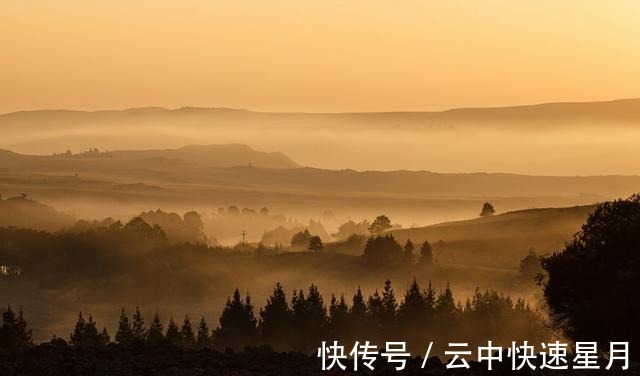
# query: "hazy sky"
{"type": "Point", "coordinates": [315, 55]}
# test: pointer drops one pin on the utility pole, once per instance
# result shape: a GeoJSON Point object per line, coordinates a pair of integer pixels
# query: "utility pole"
{"type": "Point", "coordinates": [244, 240]}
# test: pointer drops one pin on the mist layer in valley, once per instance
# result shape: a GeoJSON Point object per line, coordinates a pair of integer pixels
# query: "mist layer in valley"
{"type": "Point", "coordinates": [550, 139]}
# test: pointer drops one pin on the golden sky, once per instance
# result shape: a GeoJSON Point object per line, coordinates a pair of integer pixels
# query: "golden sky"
{"type": "Point", "coordinates": [374, 55]}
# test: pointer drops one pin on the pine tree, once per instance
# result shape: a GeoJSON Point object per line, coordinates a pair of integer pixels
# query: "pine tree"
{"type": "Point", "coordinates": [204, 338]}
{"type": "Point", "coordinates": [155, 334]}
{"type": "Point", "coordinates": [124, 335]}
{"type": "Point", "coordinates": [77, 337]}
{"type": "Point", "coordinates": [338, 318]}
{"type": "Point", "coordinates": [86, 336]}
{"type": "Point", "coordinates": [173, 336]}
{"type": "Point", "coordinates": [426, 254]}
{"type": "Point", "coordinates": [237, 327]}
{"type": "Point", "coordinates": [188, 337]}
{"type": "Point", "coordinates": [138, 330]}
{"type": "Point", "coordinates": [275, 319]}
{"type": "Point", "coordinates": [309, 318]}
{"type": "Point", "coordinates": [314, 318]}
{"type": "Point", "coordinates": [389, 304]}
{"type": "Point", "coordinates": [414, 306]}
{"type": "Point", "coordinates": [430, 298]}
{"type": "Point", "coordinates": [14, 335]}
{"type": "Point", "coordinates": [358, 309]}
{"type": "Point", "coordinates": [445, 305]}
{"type": "Point", "coordinates": [375, 308]}
{"type": "Point", "coordinates": [408, 252]}
{"type": "Point", "coordinates": [105, 338]}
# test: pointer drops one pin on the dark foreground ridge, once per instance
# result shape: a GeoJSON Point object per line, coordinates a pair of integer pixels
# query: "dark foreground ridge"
{"type": "Point", "coordinates": [54, 359]}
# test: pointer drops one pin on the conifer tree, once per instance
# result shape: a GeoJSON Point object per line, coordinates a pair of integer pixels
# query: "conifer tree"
{"type": "Point", "coordinates": [14, 335]}
{"type": "Point", "coordinates": [413, 308]}
{"type": "Point", "coordinates": [173, 336]}
{"type": "Point", "coordinates": [155, 334]}
{"type": "Point", "coordinates": [389, 304]}
{"type": "Point", "coordinates": [426, 254]}
{"type": "Point", "coordinates": [105, 338]}
{"type": "Point", "coordinates": [430, 298]}
{"type": "Point", "coordinates": [138, 329]}
{"type": "Point", "coordinates": [358, 309]}
{"type": "Point", "coordinates": [77, 336]}
{"type": "Point", "coordinates": [375, 307]}
{"type": "Point", "coordinates": [124, 335]}
{"type": "Point", "coordinates": [338, 317]}
{"type": "Point", "coordinates": [237, 327]}
{"type": "Point", "coordinates": [85, 334]}
{"type": "Point", "coordinates": [188, 337]}
{"type": "Point", "coordinates": [275, 319]}
{"type": "Point", "coordinates": [407, 253]}
{"type": "Point", "coordinates": [309, 318]}
{"type": "Point", "coordinates": [445, 305]}
{"type": "Point", "coordinates": [203, 339]}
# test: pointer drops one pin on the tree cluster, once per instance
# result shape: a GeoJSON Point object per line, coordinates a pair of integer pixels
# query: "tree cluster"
{"type": "Point", "coordinates": [305, 320]}
{"type": "Point", "coordinates": [591, 285]}
{"type": "Point", "coordinates": [14, 335]}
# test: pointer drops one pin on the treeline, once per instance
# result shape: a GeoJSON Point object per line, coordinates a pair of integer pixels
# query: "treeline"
{"type": "Point", "coordinates": [302, 322]}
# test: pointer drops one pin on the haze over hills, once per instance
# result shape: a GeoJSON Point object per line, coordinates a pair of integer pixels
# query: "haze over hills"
{"type": "Point", "coordinates": [209, 177]}
{"type": "Point", "coordinates": [621, 111]}
{"type": "Point", "coordinates": [500, 240]}
{"type": "Point", "coordinates": [590, 138]}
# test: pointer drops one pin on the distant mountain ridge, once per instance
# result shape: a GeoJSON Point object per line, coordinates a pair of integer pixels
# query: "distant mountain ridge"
{"type": "Point", "coordinates": [620, 111]}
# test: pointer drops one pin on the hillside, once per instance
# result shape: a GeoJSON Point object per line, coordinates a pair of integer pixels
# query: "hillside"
{"type": "Point", "coordinates": [500, 240]}
{"type": "Point", "coordinates": [23, 212]}
{"type": "Point", "coordinates": [231, 155]}
{"type": "Point", "coordinates": [590, 138]}
{"type": "Point", "coordinates": [184, 179]}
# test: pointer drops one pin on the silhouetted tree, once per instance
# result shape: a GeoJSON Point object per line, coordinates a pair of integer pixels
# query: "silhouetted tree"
{"type": "Point", "coordinates": [487, 210]}
{"type": "Point", "coordinates": [173, 336]}
{"type": "Point", "coordinates": [358, 320]}
{"type": "Point", "coordinates": [237, 327]}
{"type": "Point", "coordinates": [413, 308]}
{"type": "Point", "coordinates": [358, 309]}
{"type": "Point", "coordinates": [382, 250]}
{"type": "Point", "coordinates": [338, 321]}
{"type": "Point", "coordinates": [86, 336]}
{"type": "Point", "coordinates": [309, 318]}
{"type": "Point", "coordinates": [351, 228]}
{"type": "Point", "coordinates": [375, 309]}
{"type": "Point", "coordinates": [124, 335]}
{"type": "Point", "coordinates": [301, 239]}
{"type": "Point", "coordinates": [445, 305]}
{"type": "Point", "coordinates": [203, 339]}
{"type": "Point", "coordinates": [155, 334]}
{"type": "Point", "coordinates": [426, 254]}
{"type": "Point", "coordinates": [188, 337]}
{"type": "Point", "coordinates": [530, 268]}
{"type": "Point", "coordinates": [592, 285]}
{"type": "Point", "coordinates": [315, 243]}
{"type": "Point", "coordinates": [138, 330]}
{"type": "Point", "coordinates": [408, 252]}
{"type": "Point", "coordinates": [194, 227]}
{"type": "Point", "coordinates": [14, 335]}
{"type": "Point", "coordinates": [381, 224]}
{"type": "Point", "coordinates": [275, 319]}
{"type": "Point", "coordinates": [389, 304]}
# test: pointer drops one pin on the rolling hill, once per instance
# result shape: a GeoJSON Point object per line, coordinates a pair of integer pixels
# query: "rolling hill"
{"type": "Point", "coordinates": [590, 138]}
{"type": "Point", "coordinates": [500, 240]}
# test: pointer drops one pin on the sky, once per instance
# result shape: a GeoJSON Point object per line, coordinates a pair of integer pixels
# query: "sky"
{"type": "Point", "coordinates": [320, 56]}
